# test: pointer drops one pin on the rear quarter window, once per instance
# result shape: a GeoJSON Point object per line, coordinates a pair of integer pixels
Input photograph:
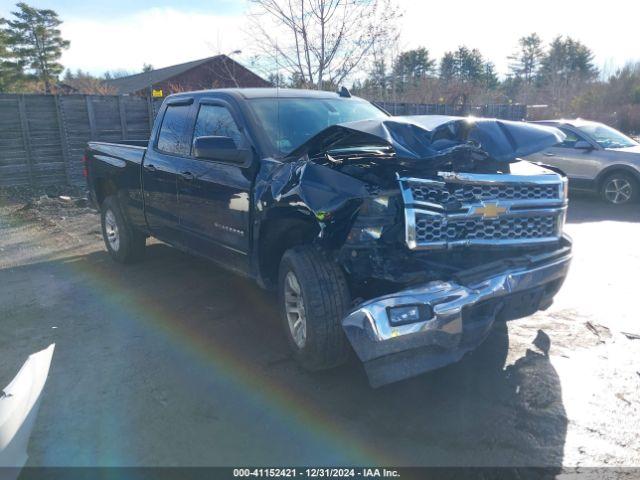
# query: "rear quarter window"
{"type": "Point", "coordinates": [172, 138]}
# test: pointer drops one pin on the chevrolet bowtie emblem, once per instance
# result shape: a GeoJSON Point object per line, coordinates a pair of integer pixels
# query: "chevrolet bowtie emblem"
{"type": "Point", "coordinates": [490, 210]}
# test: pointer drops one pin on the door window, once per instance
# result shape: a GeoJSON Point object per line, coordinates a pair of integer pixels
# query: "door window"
{"type": "Point", "coordinates": [172, 137]}
{"type": "Point", "coordinates": [215, 120]}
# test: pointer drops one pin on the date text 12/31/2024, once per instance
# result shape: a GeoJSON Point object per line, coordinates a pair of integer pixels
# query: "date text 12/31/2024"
{"type": "Point", "coordinates": [315, 473]}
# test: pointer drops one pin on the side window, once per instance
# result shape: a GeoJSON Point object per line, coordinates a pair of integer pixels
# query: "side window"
{"type": "Point", "coordinates": [172, 138]}
{"type": "Point", "coordinates": [571, 139]}
{"type": "Point", "coordinates": [215, 120]}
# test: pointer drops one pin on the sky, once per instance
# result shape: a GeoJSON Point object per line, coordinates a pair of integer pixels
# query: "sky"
{"type": "Point", "coordinates": [125, 34]}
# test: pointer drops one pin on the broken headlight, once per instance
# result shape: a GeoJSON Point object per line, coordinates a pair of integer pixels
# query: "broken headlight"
{"type": "Point", "coordinates": [375, 206]}
{"type": "Point", "coordinates": [374, 215]}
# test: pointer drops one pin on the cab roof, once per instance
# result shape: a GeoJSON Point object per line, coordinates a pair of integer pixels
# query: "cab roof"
{"type": "Point", "coordinates": [573, 122]}
{"type": "Point", "coordinates": [250, 93]}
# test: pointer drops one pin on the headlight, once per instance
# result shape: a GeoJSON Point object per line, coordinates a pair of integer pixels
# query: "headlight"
{"type": "Point", "coordinates": [375, 214]}
{"type": "Point", "coordinates": [375, 206]}
{"type": "Point", "coordinates": [364, 234]}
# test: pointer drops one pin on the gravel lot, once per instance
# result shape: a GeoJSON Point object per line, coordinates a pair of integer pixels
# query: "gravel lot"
{"type": "Point", "coordinates": [175, 362]}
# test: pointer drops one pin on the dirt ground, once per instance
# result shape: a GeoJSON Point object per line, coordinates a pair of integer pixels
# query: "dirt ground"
{"type": "Point", "coordinates": [173, 361]}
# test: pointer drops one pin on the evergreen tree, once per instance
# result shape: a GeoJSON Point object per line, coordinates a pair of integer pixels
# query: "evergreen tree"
{"type": "Point", "coordinates": [9, 71]}
{"type": "Point", "coordinates": [526, 61]}
{"type": "Point", "coordinates": [567, 61]}
{"type": "Point", "coordinates": [448, 67]}
{"type": "Point", "coordinates": [467, 67]}
{"type": "Point", "coordinates": [412, 66]}
{"type": "Point", "coordinates": [35, 42]}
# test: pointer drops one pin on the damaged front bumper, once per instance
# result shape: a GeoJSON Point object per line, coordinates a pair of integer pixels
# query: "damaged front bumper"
{"type": "Point", "coordinates": [454, 316]}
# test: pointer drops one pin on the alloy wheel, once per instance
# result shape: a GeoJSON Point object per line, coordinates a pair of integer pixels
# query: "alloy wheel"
{"type": "Point", "coordinates": [618, 190]}
{"type": "Point", "coordinates": [294, 307]}
{"type": "Point", "coordinates": [111, 229]}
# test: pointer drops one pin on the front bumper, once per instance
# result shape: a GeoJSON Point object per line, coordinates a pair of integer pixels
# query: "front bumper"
{"type": "Point", "coordinates": [461, 313]}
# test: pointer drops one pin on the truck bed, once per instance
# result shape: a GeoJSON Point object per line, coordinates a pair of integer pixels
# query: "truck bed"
{"type": "Point", "coordinates": [131, 151]}
{"type": "Point", "coordinates": [110, 164]}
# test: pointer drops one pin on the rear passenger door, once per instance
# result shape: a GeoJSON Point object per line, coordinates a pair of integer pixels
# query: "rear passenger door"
{"type": "Point", "coordinates": [162, 163]}
{"type": "Point", "coordinates": [214, 196]}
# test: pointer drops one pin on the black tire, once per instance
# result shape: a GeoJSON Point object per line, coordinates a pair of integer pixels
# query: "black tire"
{"type": "Point", "coordinates": [325, 298]}
{"type": "Point", "coordinates": [130, 245]}
{"type": "Point", "coordinates": [615, 180]}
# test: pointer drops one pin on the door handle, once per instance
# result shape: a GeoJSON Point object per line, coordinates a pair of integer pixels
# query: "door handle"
{"type": "Point", "coordinates": [150, 167]}
{"type": "Point", "coordinates": [547, 154]}
{"type": "Point", "coordinates": [187, 176]}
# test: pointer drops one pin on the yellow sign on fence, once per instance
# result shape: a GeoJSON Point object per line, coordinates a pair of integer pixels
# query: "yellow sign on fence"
{"type": "Point", "coordinates": [156, 93]}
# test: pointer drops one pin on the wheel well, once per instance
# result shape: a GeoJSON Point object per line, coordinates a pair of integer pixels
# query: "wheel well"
{"type": "Point", "coordinates": [617, 169]}
{"type": "Point", "coordinates": [104, 187]}
{"type": "Point", "coordinates": [276, 237]}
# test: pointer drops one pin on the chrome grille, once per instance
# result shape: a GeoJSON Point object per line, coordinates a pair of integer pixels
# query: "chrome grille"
{"type": "Point", "coordinates": [435, 228]}
{"type": "Point", "coordinates": [483, 209]}
{"type": "Point", "coordinates": [467, 192]}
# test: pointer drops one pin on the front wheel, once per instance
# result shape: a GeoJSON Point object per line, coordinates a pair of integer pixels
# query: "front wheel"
{"type": "Point", "coordinates": [313, 297]}
{"type": "Point", "coordinates": [123, 242]}
{"type": "Point", "coordinates": [619, 188]}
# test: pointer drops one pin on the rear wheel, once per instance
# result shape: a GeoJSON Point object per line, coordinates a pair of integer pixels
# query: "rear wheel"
{"type": "Point", "coordinates": [313, 298]}
{"type": "Point", "coordinates": [619, 188]}
{"type": "Point", "coordinates": [123, 242]}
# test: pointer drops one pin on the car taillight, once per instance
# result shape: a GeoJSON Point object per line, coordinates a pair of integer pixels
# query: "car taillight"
{"type": "Point", "coordinates": [85, 170]}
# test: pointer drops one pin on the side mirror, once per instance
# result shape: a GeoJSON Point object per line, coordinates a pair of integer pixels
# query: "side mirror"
{"type": "Point", "coordinates": [583, 145]}
{"type": "Point", "coordinates": [222, 149]}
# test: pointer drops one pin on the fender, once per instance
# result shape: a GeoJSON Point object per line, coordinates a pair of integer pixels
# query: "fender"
{"type": "Point", "coordinates": [617, 168]}
{"type": "Point", "coordinates": [307, 192]}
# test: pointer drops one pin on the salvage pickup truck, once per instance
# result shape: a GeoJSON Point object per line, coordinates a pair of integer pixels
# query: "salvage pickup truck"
{"type": "Point", "coordinates": [401, 238]}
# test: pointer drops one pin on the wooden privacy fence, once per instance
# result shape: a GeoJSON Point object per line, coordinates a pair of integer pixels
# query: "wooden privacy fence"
{"type": "Point", "coordinates": [42, 137]}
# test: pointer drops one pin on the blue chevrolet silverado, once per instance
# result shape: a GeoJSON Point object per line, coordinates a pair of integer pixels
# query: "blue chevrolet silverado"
{"type": "Point", "coordinates": [403, 239]}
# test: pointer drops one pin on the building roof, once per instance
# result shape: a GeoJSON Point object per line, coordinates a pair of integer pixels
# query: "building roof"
{"type": "Point", "coordinates": [140, 81]}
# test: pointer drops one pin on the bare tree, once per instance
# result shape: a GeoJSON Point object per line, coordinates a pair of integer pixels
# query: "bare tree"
{"type": "Point", "coordinates": [320, 42]}
{"type": "Point", "coordinates": [84, 82]}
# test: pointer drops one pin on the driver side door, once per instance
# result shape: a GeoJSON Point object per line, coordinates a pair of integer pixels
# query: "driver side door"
{"type": "Point", "coordinates": [214, 195]}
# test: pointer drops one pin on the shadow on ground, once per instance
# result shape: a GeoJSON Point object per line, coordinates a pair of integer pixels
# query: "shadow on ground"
{"type": "Point", "coordinates": [585, 208]}
{"type": "Point", "coordinates": [174, 361]}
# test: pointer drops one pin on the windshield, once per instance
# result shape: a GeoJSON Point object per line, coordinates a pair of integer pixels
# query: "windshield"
{"type": "Point", "coordinates": [289, 122]}
{"type": "Point", "coordinates": [607, 137]}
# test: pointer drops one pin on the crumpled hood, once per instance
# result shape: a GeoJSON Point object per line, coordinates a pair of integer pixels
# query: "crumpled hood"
{"type": "Point", "coordinates": [435, 137]}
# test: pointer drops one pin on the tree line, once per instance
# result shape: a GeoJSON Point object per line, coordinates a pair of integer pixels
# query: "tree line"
{"type": "Point", "coordinates": [324, 43]}
{"type": "Point", "coordinates": [464, 75]}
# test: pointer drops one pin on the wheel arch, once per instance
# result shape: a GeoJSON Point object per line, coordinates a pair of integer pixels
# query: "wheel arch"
{"type": "Point", "coordinates": [104, 187]}
{"type": "Point", "coordinates": [280, 231]}
{"type": "Point", "coordinates": [614, 169]}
